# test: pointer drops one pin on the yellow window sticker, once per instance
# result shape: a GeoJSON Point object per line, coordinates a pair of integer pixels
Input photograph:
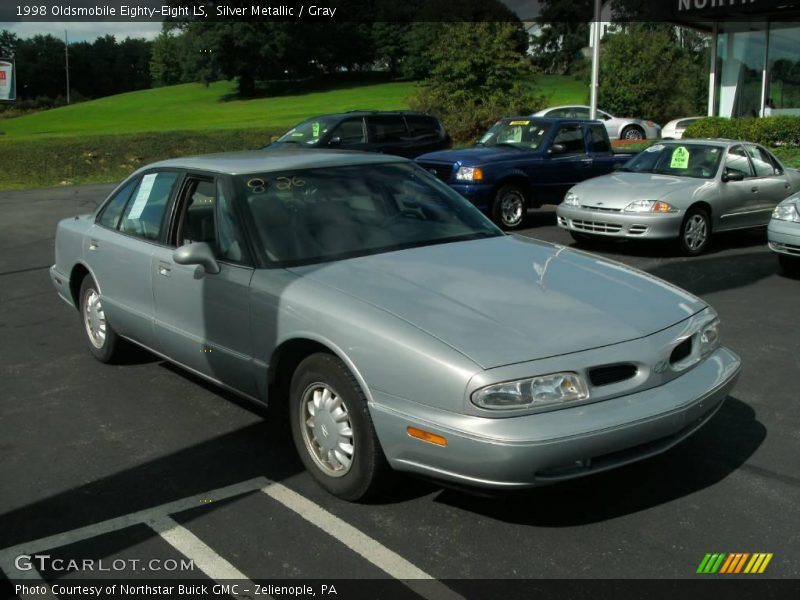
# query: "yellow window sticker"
{"type": "Point", "coordinates": [315, 129]}
{"type": "Point", "coordinates": [680, 158]}
{"type": "Point", "coordinates": [520, 123]}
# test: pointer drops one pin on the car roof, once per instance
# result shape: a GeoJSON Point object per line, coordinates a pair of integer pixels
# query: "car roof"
{"type": "Point", "coordinates": [260, 161]}
{"type": "Point", "coordinates": [711, 141]}
{"type": "Point", "coordinates": [549, 108]}
{"type": "Point", "coordinates": [368, 112]}
{"type": "Point", "coordinates": [550, 119]}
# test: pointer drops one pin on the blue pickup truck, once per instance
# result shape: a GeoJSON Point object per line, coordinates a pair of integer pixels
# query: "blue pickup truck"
{"type": "Point", "coordinates": [525, 162]}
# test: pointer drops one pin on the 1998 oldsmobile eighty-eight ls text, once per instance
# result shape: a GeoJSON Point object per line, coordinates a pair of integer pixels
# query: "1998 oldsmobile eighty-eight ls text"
{"type": "Point", "coordinates": [401, 327]}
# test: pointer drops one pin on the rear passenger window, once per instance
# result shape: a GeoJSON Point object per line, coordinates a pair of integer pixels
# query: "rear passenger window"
{"type": "Point", "coordinates": [387, 129]}
{"type": "Point", "coordinates": [571, 137]}
{"type": "Point", "coordinates": [762, 162]}
{"type": "Point", "coordinates": [145, 212]}
{"type": "Point", "coordinates": [600, 141]}
{"type": "Point", "coordinates": [112, 211]}
{"type": "Point", "coordinates": [420, 127]}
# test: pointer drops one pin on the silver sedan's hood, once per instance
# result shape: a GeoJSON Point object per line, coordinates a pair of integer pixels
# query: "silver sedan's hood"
{"type": "Point", "coordinates": [619, 189]}
{"type": "Point", "coordinates": [509, 299]}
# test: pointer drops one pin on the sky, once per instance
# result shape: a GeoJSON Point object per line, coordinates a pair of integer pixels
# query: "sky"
{"type": "Point", "coordinates": [88, 31]}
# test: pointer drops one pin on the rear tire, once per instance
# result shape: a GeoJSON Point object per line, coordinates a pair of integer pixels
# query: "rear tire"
{"type": "Point", "coordinates": [633, 132]}
{"type": "Point", "coordinates": [103, 341]}
{"type": "Point", "coordinates": [509, 208]}
{"type": "Point", "coordinates": [695, 234]}
{"type": "Point", "coordinates": [332, 429]}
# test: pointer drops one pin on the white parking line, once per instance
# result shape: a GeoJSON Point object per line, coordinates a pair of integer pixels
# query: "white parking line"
{"type": "Point", "coordinates": [215, 566]}
{"type": "Point", "coordinates": [203, 557]}
{"type": "Point", "coordinates": [372, 550]}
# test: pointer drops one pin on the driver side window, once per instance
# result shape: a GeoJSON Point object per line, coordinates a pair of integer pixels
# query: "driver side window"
{"type": "Point", "coordinates": [737, 161]}
{"type": "Point", "coordinates": [349, 132]}
{"type": "Point", "coordinates": [571, 137]}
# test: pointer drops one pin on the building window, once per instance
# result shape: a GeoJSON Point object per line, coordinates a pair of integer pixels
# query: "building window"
{"type": "Point", "coordinates": [783, 95]}
{"type": "Point", "coordinates": [741, 49]}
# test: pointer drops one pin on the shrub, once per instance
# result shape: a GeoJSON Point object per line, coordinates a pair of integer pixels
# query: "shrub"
{"type": "Point", "coordinates": [776, 131]}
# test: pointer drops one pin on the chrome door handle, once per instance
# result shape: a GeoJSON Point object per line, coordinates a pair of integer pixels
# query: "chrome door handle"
{"type": "Point", "coordinates": [164, 269]}
{"type": "Point", "coordinates": [93, 245]}
{"type": "Point", "coordinates": [754, 190]}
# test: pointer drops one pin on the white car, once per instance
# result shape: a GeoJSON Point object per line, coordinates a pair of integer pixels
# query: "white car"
{"type": "Point", "coordinates": [783, 233]}
{"type": "Point", "coordinates": [622, 128]}
{"type": "Point", "coordinates": [674, 129]}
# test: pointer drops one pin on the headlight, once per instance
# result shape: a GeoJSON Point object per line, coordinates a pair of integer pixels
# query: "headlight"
{"type": "Point", "coordinates": [708, 339]}
{"type": "Point", "coordinates": [572, 199]}
{"type": "Point", "coordinates": [469, 174]}
{"type": "Point", "coordinates": [787, 211]}
{"type": "Point", "coordinates": [545, 390]}
{"type": "Point", "coordinates": [654, 206]}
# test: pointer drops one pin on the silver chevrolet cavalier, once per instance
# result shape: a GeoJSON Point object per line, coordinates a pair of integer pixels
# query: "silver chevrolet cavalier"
{"type": "Point", "coordinates": [684, 191]}
{"type": "Point", "coordinates": [783, 233]}
{"type": "Point", "coordinates": [399, 327]}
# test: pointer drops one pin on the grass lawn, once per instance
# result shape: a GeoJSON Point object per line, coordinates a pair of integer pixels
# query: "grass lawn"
{"type": "Point", "coordinates": [563, 89]}
{"type": "Point", "coordinates": [193, 106]}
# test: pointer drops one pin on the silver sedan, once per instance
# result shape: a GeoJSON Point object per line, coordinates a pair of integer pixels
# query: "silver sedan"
{"type": "Point", "coordinates": [680, 190]}
{"type": "Point", "coordinates": [623, 128]}
{"type": "Point", "coordinates": [784, 233]}
{"type": "Point", "coordinates": [395, 323]}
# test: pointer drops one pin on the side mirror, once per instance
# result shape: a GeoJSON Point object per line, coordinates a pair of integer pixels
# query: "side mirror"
{"type": "Point", "coordinates": [557, 149]}
{"type": "Point", "coordinates": [732, 175]}
{"type": "Point", "coordinates": [335, 141]}
{"type": "Point", "coordinates": [198, 253]}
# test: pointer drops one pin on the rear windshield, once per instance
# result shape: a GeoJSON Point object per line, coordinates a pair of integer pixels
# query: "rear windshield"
{"type": "Point", "coordinates": [318, 215]}
{"type": "Point", "coordinates": [309, 131]}
{"type": "Point", "coordinates": [700, 161]}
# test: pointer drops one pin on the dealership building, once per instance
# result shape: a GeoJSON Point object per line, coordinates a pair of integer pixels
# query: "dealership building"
{"type": "Point", "coordinates": [755, 54]}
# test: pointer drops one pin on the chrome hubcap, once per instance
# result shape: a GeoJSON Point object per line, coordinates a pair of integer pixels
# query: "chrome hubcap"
{"type": "Point", "coordinates": [633, 134]}
{"type": "Point", "coordinates": [94, 319]}
{"type": "Point", "coordinates": [512, 207]}
{"type": "Point", "coordinates": [327, 430]}
{"type": "Point", "coordinates": [696, 232]}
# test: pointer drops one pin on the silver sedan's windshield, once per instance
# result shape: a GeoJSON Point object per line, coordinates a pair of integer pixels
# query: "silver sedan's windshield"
{"type": "Point", "coordinates": [525, 134]}
{"type": "Point", "coordinates": [317, 215]}
{"type": "Point", "coordinates": [684, 160]}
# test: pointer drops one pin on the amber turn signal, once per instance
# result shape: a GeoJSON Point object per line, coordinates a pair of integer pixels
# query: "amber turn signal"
{"type": "Point", "coordinates": [426, 436]}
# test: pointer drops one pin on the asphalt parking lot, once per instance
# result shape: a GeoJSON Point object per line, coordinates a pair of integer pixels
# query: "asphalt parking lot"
{"type": "Point", "coordinates": [142, 460]}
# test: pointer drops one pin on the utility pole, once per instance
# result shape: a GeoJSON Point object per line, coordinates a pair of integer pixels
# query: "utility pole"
{"type": "Point", "coordinates": [595, 59]}
{"type": "Point", "coordinates": [66, 60]}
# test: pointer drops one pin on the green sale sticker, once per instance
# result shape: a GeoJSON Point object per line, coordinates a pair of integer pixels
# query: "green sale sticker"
{"type": "Point", "coordinates": [680, 158]}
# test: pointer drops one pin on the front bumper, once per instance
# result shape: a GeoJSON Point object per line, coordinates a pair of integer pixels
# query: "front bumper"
{"type": "Point", "coordinates": [784, 237]}
{"type": "Point", "coordinates": [620, 224]}
{"type": "Point", "coordinates": [480, 194]}
{"type": "Point", "coordinates": [520, 452]}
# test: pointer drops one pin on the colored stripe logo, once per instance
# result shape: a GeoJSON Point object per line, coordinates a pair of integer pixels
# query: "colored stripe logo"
{"type": "Point", "coordinates": [734, 563]}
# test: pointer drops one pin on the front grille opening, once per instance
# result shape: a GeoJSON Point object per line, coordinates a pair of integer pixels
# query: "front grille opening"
{"type": "Point", "coordinates": [681, 351]}
{"type": "Point", "coordinates": [600, 376]}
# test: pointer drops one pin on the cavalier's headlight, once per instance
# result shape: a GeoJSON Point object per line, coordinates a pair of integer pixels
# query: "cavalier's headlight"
{"type": "Point", "coordinates": [571, 199]}
{"type": "Point", "coordinates": [651, 206]}
{"type": "Point", "coordinates": [469, 174]}
{"type": "Point", "coordinates": [787, 211]}
{"type": "Point", "coordinates": [545, 390]}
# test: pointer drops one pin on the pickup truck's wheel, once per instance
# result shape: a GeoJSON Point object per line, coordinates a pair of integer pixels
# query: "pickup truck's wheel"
{"type": "Point", "coordinates": [104, 343]}
{"type": "Point", "coordinates": [332, 428]}
{"type": "Point", "coordinates": [633, 132]}
{"type": "Point", "coordinates": [695, 234]}
{"type": "Point", "coordinates": [509, 207]}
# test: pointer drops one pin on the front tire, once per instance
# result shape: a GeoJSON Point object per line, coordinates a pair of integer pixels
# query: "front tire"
{"type": "Point", "coordinates": [332, 428]}
{"type": "Point", "coordinates": [104, 343]}
{"type": "Point", "coordinates": [695, 234]}
{"type": "Point", "coordinates": [632, 132]}
{"type": "Point", "coordinates": [509, 207]}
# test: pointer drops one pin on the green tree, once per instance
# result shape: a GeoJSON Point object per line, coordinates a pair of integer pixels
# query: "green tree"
{"type": "Point", "coordinates": [166, 58]}
{"type": "Point", "coordinates": [8, 43]}
{"type": "Point", "coordinates": [564, 34]}
{"type": "Point", "coordinates": [479, 72]}
{"type": "Point", "coordinates": [646, 73]}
